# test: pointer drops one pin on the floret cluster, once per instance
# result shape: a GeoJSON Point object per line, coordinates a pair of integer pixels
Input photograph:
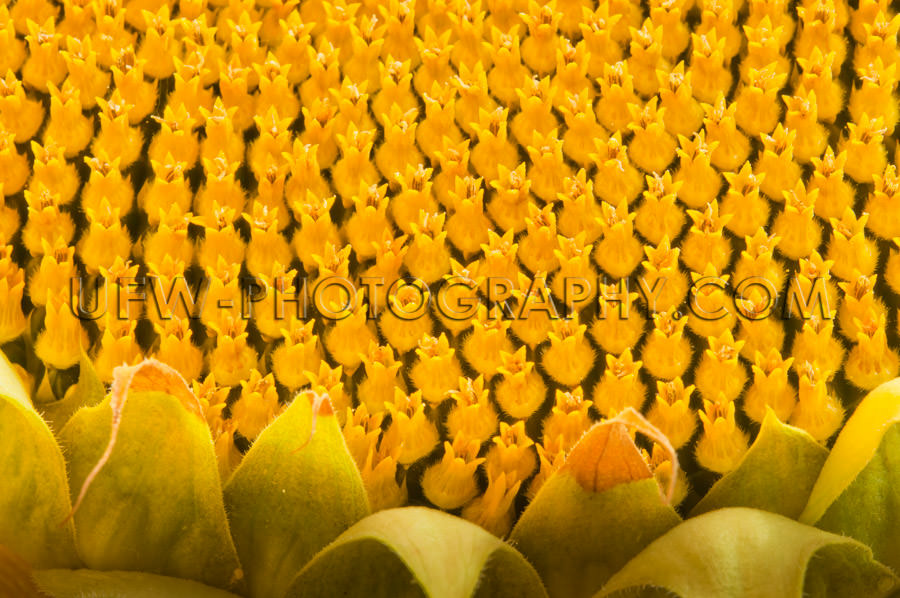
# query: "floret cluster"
{"type": "Point", "coordinates": [672, 141]}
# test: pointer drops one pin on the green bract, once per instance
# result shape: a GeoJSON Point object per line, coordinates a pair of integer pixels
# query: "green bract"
{"type": "Point", "coordinates": [157, 504]}
{"type": "Point", "coordinates": [294, 492]}
{"type": "Point", "coordinates": [858, 492]}
{"type": "Point", "coordinates": [293, 520]}
{"type": "Point", "coordinates": [417, 552]}
{"type": "Point", "coordinates": [34, 497]}
{"type": "Point", "coordinates": [747, 553]}
{"type": "Point", "coordinates": [776, 474]}
{"type": "Point", "coordinates": [593, 515]}
{"type": "Point", "coordinates": [61, 583]}
{"type": "Point", "coordinates": [88, 392]}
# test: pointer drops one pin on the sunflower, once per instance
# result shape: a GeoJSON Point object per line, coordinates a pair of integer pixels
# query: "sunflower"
{"type": "Point", "coordinates": [605, 283]}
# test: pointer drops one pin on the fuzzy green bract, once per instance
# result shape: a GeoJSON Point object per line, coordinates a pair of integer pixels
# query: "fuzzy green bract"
{"type": "Point", "coordinates": [776, 474]}
{"type": "Point", "coordinates": [858, 491]}
{"type": "Point", "coordinates": [34, 496]}
{"type": "Point", "coordinates": [592, 515]}
{"type": "Point", "coordinates": [157, 504]}
{"type": "Point", "coordinates": [61, 583]}
{"type": "Point", "coordinates": [748, 553]}
{"type": "Point", "coordinates": [416, 552]}
{"type": "Point", "coordinates": [578, 539]}
{"type": "Point", "coordinates": [291, 495]}
{"type": "Point", "coordinates": [89, 391]}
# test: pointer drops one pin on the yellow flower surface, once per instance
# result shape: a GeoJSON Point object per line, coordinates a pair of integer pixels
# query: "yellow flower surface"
{"type": "Point", "coordinates": [480, 227]}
